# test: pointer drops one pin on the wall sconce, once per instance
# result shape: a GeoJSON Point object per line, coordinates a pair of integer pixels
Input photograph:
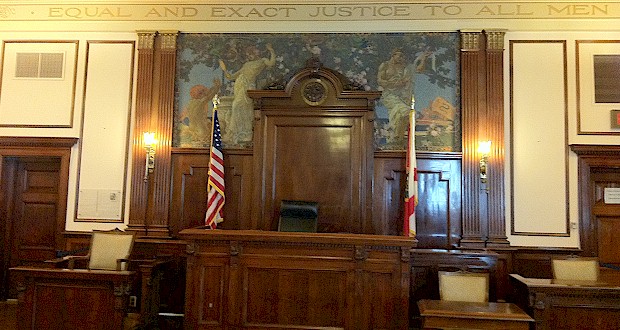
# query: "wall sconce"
{"type": "Point", "coordinates": [149, 146]}
{"type": "Point", "coordinates": [484, 148]}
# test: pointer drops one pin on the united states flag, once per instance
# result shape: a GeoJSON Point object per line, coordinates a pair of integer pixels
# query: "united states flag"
{"type": "Point", "coordinates": [215, 183]}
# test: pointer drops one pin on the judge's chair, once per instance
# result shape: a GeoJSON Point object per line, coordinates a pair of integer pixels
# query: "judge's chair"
{"type": "Point", "coordinates": [298, 216]}
{"type": "Point", "coordinates": [575, 268]}
{"type": "Point", "coordinates": [463, 286]}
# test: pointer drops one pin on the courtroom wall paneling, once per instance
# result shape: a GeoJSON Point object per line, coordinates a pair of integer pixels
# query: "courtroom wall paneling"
{"type": "Point", "coordinates": [438, 213]}
{"type": "Point", "coordinates": [189, 189]}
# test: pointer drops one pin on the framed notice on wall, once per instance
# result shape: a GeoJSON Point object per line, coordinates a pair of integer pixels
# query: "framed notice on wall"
{"type": "Point", "coordinates": [598, 86]}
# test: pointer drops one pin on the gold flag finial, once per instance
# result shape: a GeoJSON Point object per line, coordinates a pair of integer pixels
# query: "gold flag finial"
{"type": "Point", "coordinates": [216, 101]}
{"type": "Point", "coordinates": [412, 102]}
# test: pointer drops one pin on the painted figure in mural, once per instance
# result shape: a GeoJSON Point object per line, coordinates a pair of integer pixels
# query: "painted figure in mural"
{"type": "Point", "coordinates": [240, 119]}
{"type": "Point", "coordinates": [395, 77]}
{"type": "Point", "coordinates": [195, 116]}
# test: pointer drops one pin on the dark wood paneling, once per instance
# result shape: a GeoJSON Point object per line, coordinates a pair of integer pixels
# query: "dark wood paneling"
{"type": "Point", "coordinates": [536, 262]}
{"type": "Point", "coordinates": [35, 178]}
{"type": "Point", "coordinates": [388, 200]}
{"type": "Point", "coordinates": [36, 198]}
{"type": "Point", "coordinates": [315, 151]}
{"type": "Point", "coordinates": [58, 299]}
{"type": "Point", "coordinates": [569, 306]}
{"type": "Point", "coordinates": [309, 166]}
{"type": "Point", "coordinates": [438, 214]}
{"type": "Point", "coordinates": [189, 189]}
{"type": "Point", "coordinates": [250, 279]}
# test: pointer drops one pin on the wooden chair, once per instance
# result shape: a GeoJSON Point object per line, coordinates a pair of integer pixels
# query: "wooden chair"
{"type": "Point", "coordinates": [109, 250]}
{"type": "Point", "coordinates": [575, 268]}
{"type": "Point", "coordinates": [463, 286]}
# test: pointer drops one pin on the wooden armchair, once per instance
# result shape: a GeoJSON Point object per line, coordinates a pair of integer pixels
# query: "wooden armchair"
{"type": "Point", "coordinates": [464, 286]}
{"type": "Point", "coordinates": [109, 250]}
{"type": "Point", "coordinates": [575, 268]}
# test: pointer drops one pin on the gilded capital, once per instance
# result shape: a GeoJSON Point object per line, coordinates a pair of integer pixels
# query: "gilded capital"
{"type": "Point", "coordinates": [495, 40]}
{"type": "Point", "coordinates": [146, 39]}
{"type": "Point", "coordinates": [470, 41]}
{"type": "Point", "coordinates": [168, 39]}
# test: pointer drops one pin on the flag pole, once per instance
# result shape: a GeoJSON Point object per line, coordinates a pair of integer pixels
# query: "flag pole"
{"type": "Point", "coordinates": [215, 174]}
{"type": "Point", "coordinates": [411, 190]}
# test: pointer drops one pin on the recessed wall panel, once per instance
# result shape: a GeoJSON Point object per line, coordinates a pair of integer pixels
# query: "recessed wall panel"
{"type": "Point", "coordinates": [538, 138]}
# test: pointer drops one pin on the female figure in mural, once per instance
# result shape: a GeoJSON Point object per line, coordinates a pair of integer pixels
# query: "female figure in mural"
{"type": "Point", "coordinates": [195, 129]}
{"type": "Point", "coordinates": [396, 79]}
{"type": "Point", "coordinates": [240, 120]}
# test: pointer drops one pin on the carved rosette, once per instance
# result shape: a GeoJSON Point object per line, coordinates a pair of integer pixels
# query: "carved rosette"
{"type": "Point", "coordinates": [314, 91]}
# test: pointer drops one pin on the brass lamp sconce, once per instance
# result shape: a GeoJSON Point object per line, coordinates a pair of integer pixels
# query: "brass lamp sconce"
{"type": "Point", "coordinates": [484, 148]}
{"type": "Point", "coordinates": [149, 145]}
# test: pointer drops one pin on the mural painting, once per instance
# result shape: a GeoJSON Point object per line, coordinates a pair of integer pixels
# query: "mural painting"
{"type": "Point", "coordinates": [403, 66]}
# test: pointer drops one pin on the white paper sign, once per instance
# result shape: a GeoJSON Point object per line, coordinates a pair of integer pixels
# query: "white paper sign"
{"type": "Point", "coordinates": [99, 204]}
{"type": "Point", "coordinates": [612, 196]}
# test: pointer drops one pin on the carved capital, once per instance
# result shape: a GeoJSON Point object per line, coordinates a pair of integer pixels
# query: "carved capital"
{"type": "Point", "coordinates": [146, 40]}
{"type": "Point", "coordinates": [169, 40]}
{"type": "Point", "coordinates": [495, 39]}
{"type": "Point", "coordinates": [470, 40]}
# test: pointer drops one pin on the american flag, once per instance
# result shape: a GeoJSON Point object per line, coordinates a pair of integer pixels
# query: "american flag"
{"type": "Point", "coordinates": [215, 183]}
{"type": "Point", "coordinates": [411, 199]}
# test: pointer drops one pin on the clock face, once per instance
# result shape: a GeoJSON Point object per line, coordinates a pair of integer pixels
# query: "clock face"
{"type": "Point", "coordinates": [314, 91]}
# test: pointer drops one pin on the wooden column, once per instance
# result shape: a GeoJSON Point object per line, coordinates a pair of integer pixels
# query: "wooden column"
{"type": "Point", "coordinates": [496, 214]}
{"type": "Point", "coordinates": [144, 95]}
{"type": "Point", "coordinates": [473, 103]}
{"type": "Point", "coordinates": [158, 224]}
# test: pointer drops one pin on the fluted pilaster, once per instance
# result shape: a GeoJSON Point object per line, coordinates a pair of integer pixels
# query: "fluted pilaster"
{"type": "Point", "coordinates": [495, 133]}
{"type": "Point", "coordinates": [144, 96]}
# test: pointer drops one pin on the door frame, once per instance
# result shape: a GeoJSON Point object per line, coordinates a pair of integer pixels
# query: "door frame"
{"type": "Point", "coordinates": [28, 147]}
{"type": "Point", "coordinates": [591, 157]}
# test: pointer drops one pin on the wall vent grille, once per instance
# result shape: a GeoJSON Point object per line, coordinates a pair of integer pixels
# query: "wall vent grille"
{"type": "Point", "coordinates": [40, 65]}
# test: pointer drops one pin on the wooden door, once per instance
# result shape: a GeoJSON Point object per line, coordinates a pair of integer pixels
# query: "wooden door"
{"type": "Point", "coordinates": [599, 220]}
{"type": "Point", "coordinates": [31, 203]}
{"type": "Point", "coordinates": [606, 214]}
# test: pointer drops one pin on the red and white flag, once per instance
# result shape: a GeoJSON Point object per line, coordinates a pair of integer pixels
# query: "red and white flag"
{"type": "Point", "coordinates": [215, 182]}
{"type": "Point", "coordinates": [411, 191]}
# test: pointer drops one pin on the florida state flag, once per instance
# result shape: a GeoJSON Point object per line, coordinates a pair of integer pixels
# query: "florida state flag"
{"type": "Point", "coordinates": [411, 191]}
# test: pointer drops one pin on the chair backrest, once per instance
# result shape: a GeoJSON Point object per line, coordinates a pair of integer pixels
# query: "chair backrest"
{"type": "Point", "coordinates": [298, 216]}
{"type": "Point", "coordinates": [574, 268]}
{"type": "Point", "coordinates": [464, 286]}
{"type": "Point", "coordinates": [107, 247]}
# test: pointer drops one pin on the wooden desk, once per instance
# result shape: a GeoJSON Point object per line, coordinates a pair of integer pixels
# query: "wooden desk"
{"type": "Point", "coordinates": [570, 305]}
{"type": "Point", "coordinates": [51, 298]}
{"type": "Point", "coordinates": [247, 279]}
{"type": "Point", "coordinates": [468, 315]}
